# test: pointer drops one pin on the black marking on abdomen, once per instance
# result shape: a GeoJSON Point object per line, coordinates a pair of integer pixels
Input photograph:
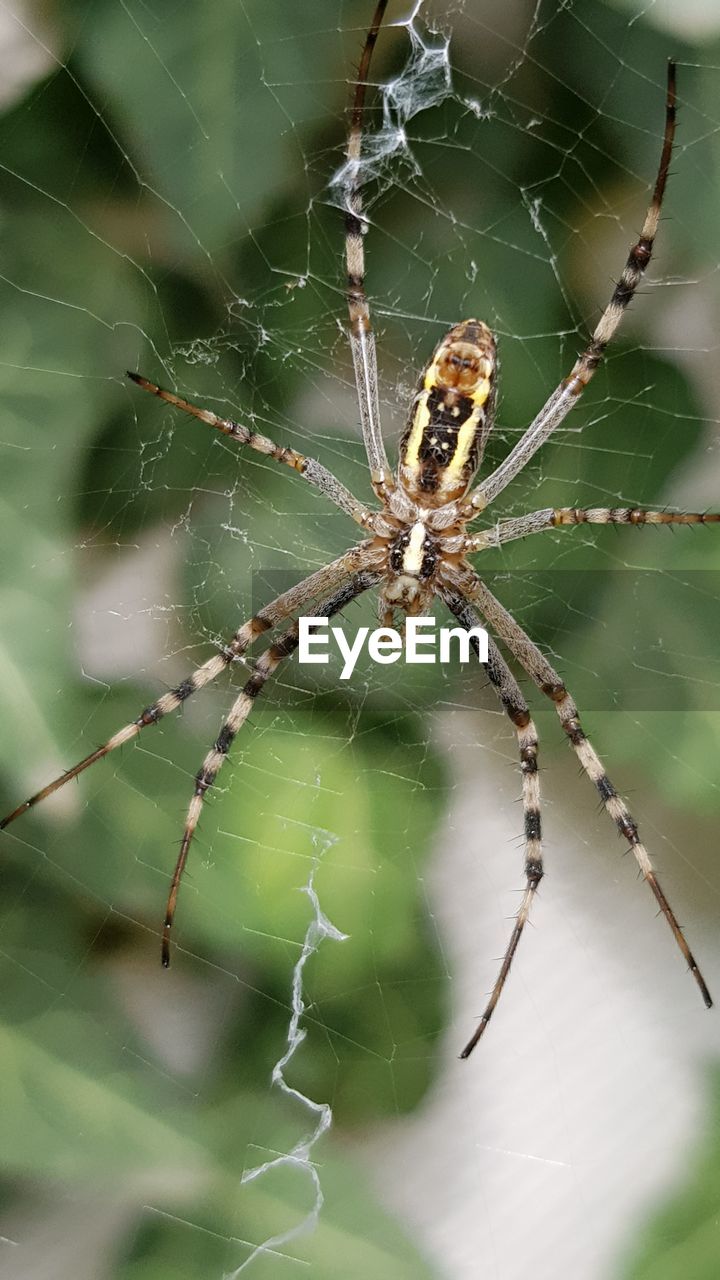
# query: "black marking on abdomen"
{"type": "Point", "coordinates": [448, 411]}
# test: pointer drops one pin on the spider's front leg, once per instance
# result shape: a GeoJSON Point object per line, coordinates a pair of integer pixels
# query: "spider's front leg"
{"type": "Point", "coordinates": [362, 339]}
{"type": "Point", "coordinates": [568, 393]}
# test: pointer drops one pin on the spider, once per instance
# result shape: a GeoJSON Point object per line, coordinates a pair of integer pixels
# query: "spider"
{"type": "Point", "coordinates": [416, 544]}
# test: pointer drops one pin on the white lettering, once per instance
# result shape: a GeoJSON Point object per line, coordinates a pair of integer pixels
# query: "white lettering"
{"type": "Point", "coordinates": [385, 645]}
{"type": "Point", "coordinates": [463, 637]}
{"type": "Point", "coordinates": [307, 640]}
{"type": "Point", "coordinates": [414, 639]}
{"type": "Point", "coordinates": [350, 653]}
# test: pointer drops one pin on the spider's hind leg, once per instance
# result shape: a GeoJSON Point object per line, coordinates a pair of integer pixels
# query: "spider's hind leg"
{"type": "Point", "coordinates": [616, 808]}
{"type": "Point", "coordinates": [267, 663]}
{"type": "Point", "coordinates": [516, 709]}
{"type": "Point", "coordinates": [549, 682]}
{"type": "Point", "coordinates": [276, 612]}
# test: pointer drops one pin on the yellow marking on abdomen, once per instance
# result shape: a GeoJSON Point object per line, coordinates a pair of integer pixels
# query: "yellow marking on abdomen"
{"type": "Point", "coordinates": [465, 439]}
{"type": "Point", "coordinates": [420, 423]}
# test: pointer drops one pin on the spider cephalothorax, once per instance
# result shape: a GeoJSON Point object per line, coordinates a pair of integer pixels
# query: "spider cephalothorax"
{"type": "Point", "coordinates": [411, 563]}
{"type": "Point", "coordinates": [416, 548]}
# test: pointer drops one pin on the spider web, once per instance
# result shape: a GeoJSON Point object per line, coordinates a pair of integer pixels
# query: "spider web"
{"type": "Point", "coordinates": [171, 188]}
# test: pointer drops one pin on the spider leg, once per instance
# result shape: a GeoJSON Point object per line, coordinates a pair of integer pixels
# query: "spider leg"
{"type": "Point", "coordinates": [516, 709]}
{"type": "Point", "coordinates": [566, 396]}
{"type": "Point", "coordinates": [549, 682]}
{"type": "Point", "coordinates": [362, 339]}
{"type": "Point", "coordinates": [557, 517]}
{"type": "Point", "coordinates": [313, 471]}
{"type": "Point", "coordinates": [275, 612]}
{"type": "Point", "coordinates": [206, 776]}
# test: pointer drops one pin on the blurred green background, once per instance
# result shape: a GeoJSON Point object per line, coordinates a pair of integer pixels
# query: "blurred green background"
{"type": "Point", "coordinates": [165, 205]}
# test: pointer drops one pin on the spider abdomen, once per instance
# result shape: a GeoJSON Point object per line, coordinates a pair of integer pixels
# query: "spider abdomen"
{"type": "Point", "coordinates": [451, 416]}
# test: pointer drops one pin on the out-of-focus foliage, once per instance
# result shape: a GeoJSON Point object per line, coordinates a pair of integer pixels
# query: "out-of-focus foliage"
{"type": "Point", "coordinates": [164, 207]}
{"type": "Point", "coordinates": [683, 1238]}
